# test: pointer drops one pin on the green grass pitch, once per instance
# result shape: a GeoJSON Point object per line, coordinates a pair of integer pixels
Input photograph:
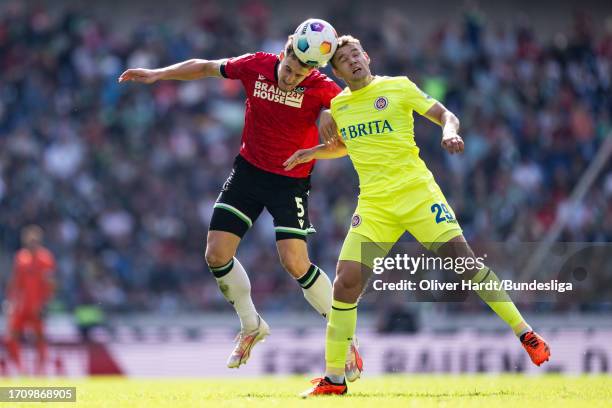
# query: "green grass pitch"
{"type": "Point", "coordinates": [379, 392]}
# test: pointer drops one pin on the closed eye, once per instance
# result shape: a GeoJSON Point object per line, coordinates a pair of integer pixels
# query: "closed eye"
{"type": "Point", "coordinates": [289, 70]}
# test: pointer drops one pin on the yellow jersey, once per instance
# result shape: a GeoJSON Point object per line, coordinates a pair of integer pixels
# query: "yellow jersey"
{"type": "Point", "coordinates": [377, 127]}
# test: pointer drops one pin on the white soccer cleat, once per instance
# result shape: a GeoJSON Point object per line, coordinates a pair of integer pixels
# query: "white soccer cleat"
{"type": "Point", "coordinates": [245, 342]}
{"type": "Point", "coordinates": [354, 364]}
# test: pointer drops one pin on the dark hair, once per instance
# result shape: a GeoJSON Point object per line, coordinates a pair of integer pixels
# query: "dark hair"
{"type": "Point", "coordinates": [342, 41]}
{"type": "Point", "coordinates": [290, 52]}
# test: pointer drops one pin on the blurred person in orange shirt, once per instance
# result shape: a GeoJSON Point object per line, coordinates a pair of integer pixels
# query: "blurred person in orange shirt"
{"type": "Point", "coordinates": [30, 288]}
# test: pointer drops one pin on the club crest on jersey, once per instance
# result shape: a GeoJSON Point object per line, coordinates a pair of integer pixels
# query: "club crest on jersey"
{"type": "Point", "coordinates": [356, 221]}
{"type": "Point", "coordinates": [381, 103]}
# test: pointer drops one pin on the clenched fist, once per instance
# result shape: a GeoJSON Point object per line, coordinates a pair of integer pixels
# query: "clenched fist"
{"type": "Point", "coordinates": [146, 76]}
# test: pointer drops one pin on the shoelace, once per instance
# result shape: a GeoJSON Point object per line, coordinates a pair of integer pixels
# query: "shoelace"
{"type": "Point", "coordinates": [319, 381]}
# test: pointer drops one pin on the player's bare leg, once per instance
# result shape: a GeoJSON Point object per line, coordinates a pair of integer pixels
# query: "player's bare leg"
{"type": "Point", "coordinates": [315, 284]}
{"type": "Point", "coordinates": [234, 283]}
{"type": "Point", "coordinates": [293, 255]}
{"type": "Point", "coordinates": [221, 246]}
{"type": "Point", "coordinates": [317, 290]}
{"type": "Point", "coordinates": [498, 301]}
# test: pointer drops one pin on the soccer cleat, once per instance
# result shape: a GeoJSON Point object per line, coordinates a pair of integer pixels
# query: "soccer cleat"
{"type": "Point", "coordinates": [536, 347]}
{"type": "Point", "coordinates": [323, 386]}
{"type": "Point", "coordinates": [354, 364]}
{"type": "Point", "coordinates": [245, 342]}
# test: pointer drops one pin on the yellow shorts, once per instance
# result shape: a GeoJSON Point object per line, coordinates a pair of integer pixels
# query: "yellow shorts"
{"type": "Point", "coordinates": [421, 209]}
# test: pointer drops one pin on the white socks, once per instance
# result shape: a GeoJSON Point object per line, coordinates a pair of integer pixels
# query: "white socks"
{"type": "Point", "coordinates": [234, 283]}
{"type": "Point", "coordinates": [317, 290]}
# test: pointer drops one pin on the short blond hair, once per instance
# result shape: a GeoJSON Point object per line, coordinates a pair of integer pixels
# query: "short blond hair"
{"type": "Point", "coordinates": [345, 40]}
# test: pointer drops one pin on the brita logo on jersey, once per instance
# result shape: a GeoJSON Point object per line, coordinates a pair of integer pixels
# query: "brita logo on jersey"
{"type": "Point", "coordinates": [365, 129]}
{"type": "Point", "coordinates": [273, 93]}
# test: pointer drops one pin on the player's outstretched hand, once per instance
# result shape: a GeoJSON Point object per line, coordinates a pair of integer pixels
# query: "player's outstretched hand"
{"type": "Point", "coordinates": [146, 76]}
{"type": "Point", "coordinates": [452, 142]}
{"type": "Point", "coordinates": [300, 156]}
{"type": "Point", "coordinates": [327, 128]}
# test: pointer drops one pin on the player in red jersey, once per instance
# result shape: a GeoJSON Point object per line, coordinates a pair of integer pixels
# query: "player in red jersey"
{"type": "Point", "coordinates": [284, 99]}
{"type": "Point", "coordinates": [30, 288]}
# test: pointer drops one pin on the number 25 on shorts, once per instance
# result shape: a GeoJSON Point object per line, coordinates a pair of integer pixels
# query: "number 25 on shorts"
{"type": "Point", "coordinates": [441, 212]}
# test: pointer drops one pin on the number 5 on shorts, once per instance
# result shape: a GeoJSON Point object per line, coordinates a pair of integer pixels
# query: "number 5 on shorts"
{"type": "Point", "coordinates": [300, 207]}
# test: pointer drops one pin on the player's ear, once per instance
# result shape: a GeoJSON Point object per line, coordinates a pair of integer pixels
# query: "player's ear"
{"type": "Point", "coordinates": [333, 68]}
{"type": "Point", "coordinates": [367, 56]}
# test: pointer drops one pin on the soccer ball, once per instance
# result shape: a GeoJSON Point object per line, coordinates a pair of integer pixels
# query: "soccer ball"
{"type": "Point", "coordinates": [314, 42]}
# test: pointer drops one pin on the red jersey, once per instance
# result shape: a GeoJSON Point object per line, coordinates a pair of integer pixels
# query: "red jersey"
{"type": "Point", "coordinates": [30, 287]}
{"type": "Point", "coordinates": [277, 123]}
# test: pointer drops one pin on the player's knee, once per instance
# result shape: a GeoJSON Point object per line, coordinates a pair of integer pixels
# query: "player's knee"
{"type": "Point", "coordinates": [347, 285]}
{"type": "Point", "coordinates": [215, 256]}
{"type": "Point", "coordinates": [460, 249]}
{"type": "Point", "coordinates": [346, 282]}
{"type": "Point", "coordinates": [294, 264]}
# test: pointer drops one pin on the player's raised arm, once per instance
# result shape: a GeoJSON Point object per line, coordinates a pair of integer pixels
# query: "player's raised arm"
{"type": "Point", "coordinates": [451, 141]}
{"type": "Point", "coordinates": [183, 71]}
{"type": "Point", "coordinates": [322, 151]}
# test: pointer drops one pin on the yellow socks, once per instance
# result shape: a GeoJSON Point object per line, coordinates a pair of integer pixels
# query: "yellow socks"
{"type": "Point", "coordinates": [340, 332]}
{"type": "Point", "coordinates": [500, 302]}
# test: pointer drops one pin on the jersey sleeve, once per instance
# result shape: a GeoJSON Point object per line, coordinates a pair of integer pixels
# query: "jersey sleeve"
{"type": "Point", "coordinates": [330, 90]}
{"type": "Point", "coordinates": [240, 67]}
{"type": "Point", "coordinates": [417, 99]}
{"type": "Point", "coordinates": [332, 109]}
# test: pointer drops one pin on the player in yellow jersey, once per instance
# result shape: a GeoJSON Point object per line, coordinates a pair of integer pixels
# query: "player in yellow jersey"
{"type": "Point", "coordinates": [397, 194]}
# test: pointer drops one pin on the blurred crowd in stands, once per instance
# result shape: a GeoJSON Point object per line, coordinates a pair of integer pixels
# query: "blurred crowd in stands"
{"type": "Point", "coordinates": [123, 177]}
